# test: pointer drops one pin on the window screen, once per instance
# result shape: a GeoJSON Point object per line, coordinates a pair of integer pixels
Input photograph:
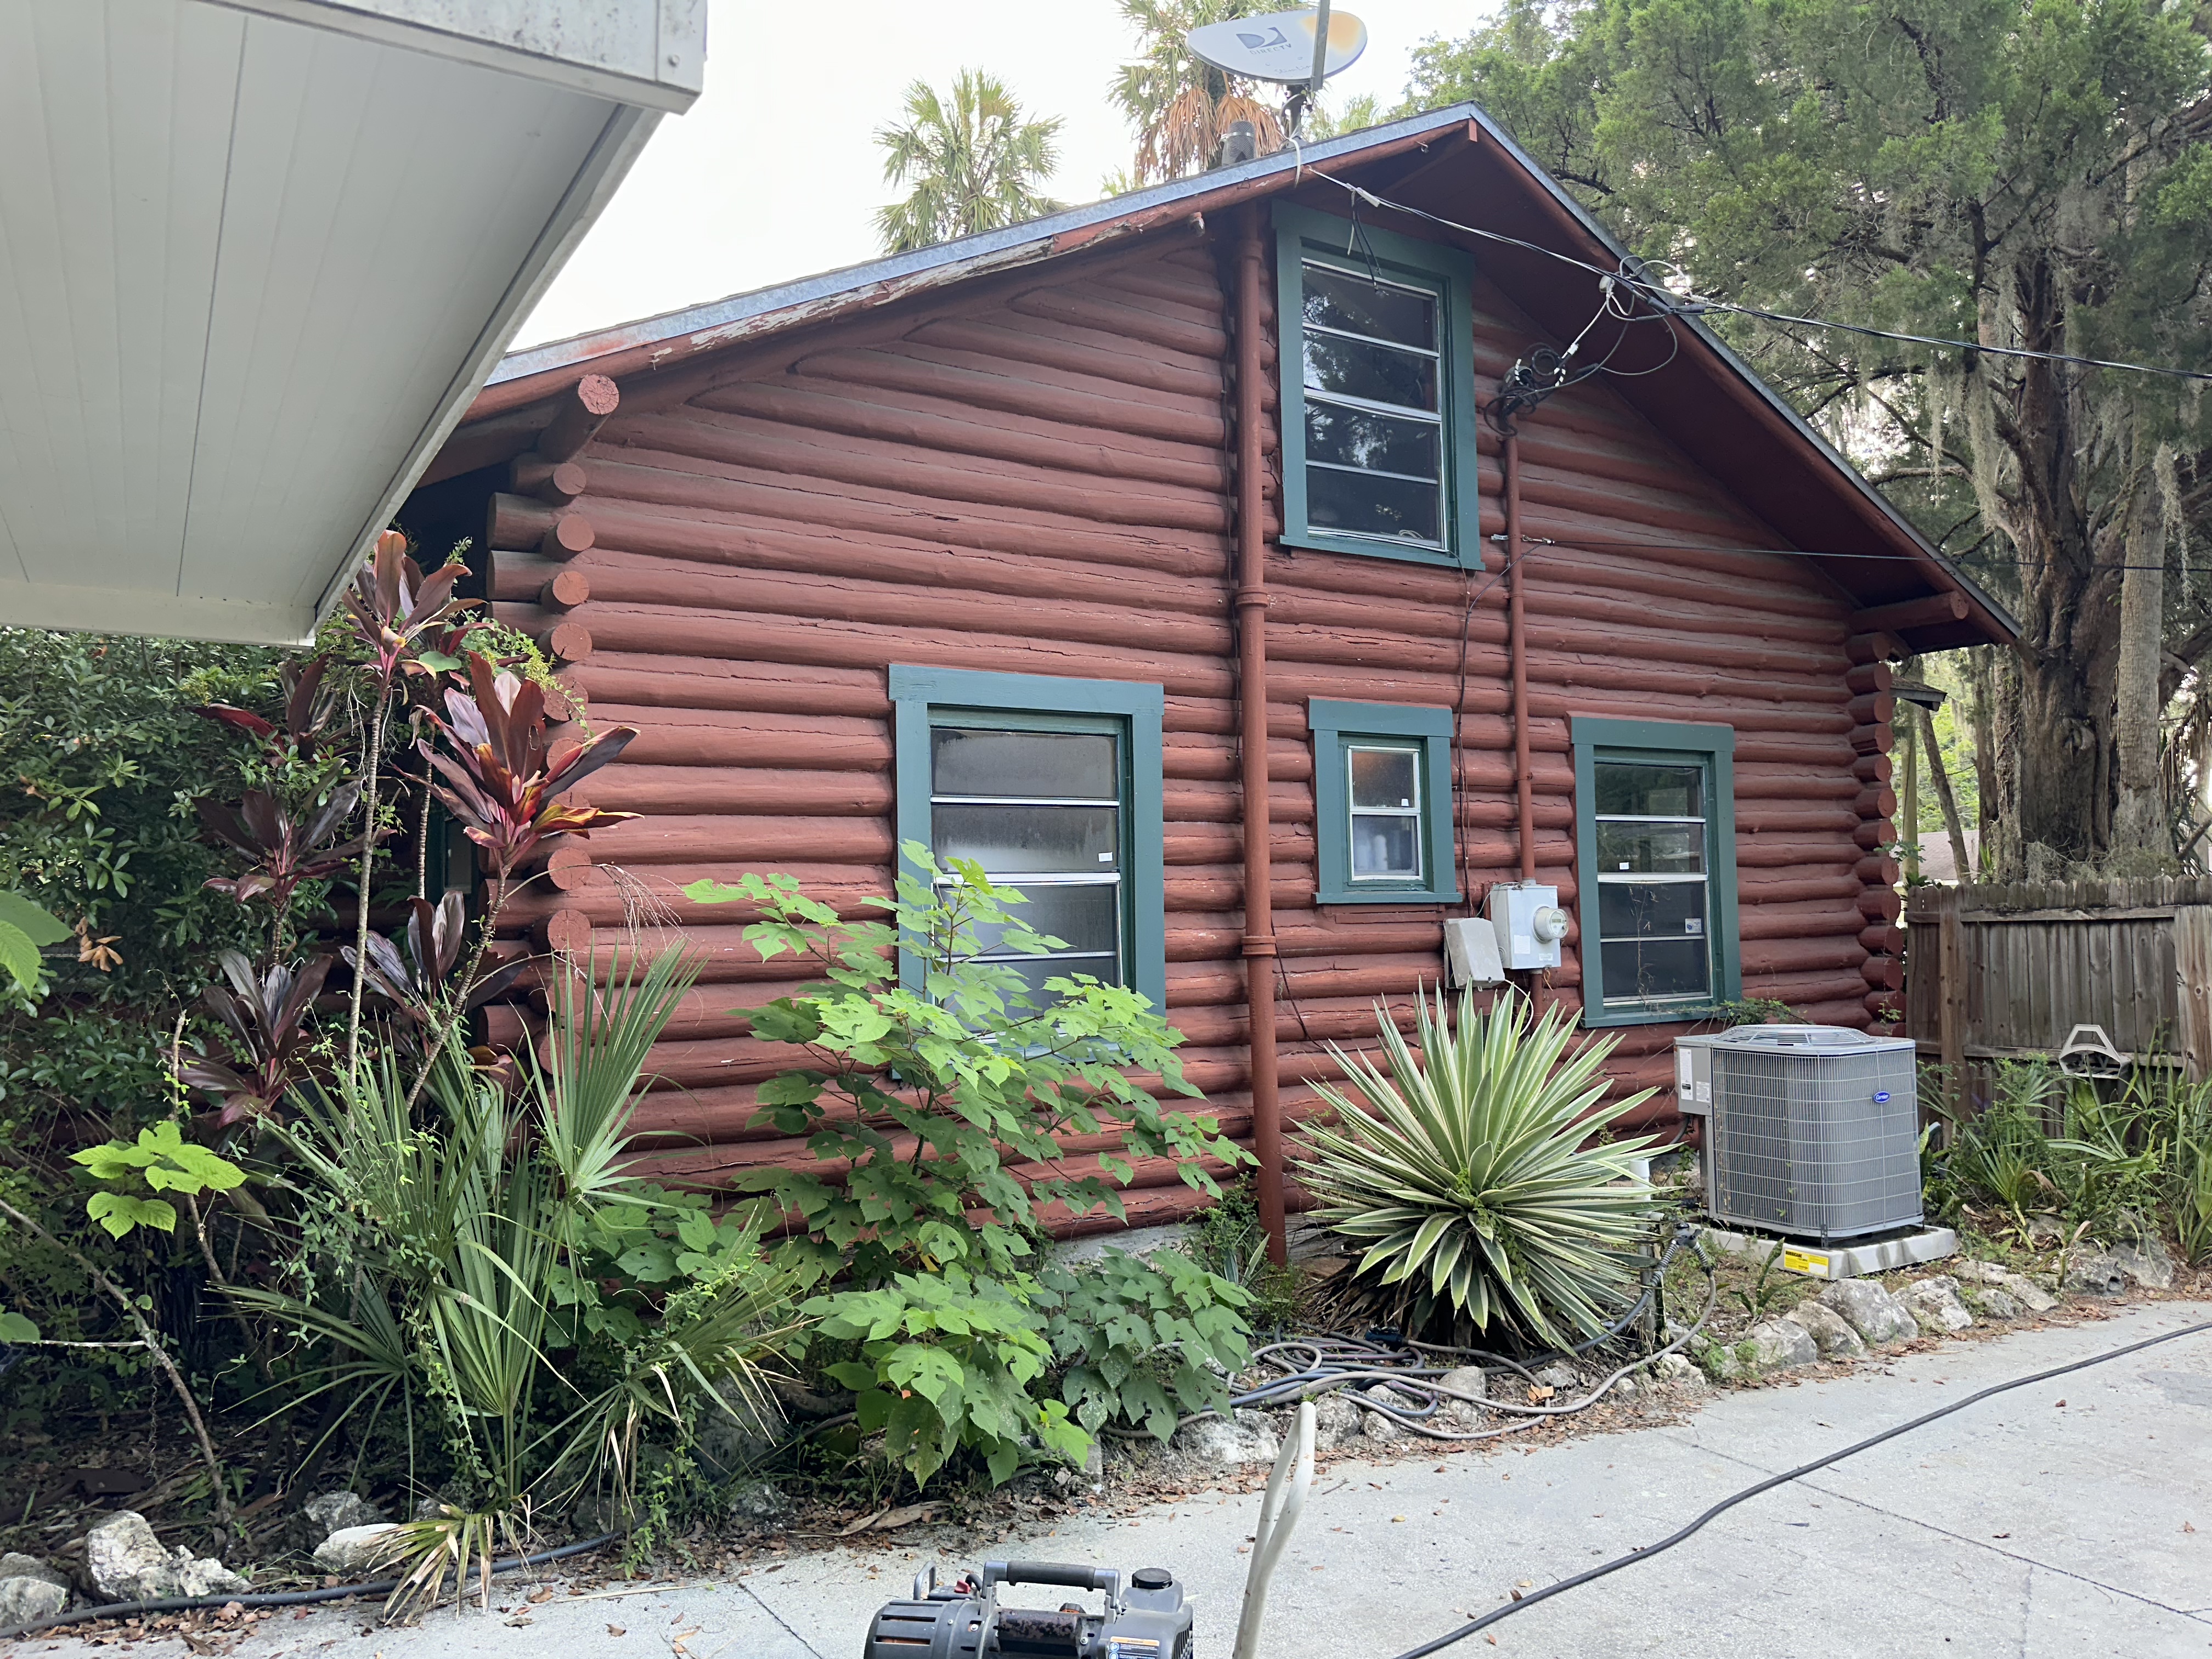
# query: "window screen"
{"type": "Point", "coordinates": [1042, 811]}
{"type": "Point", "coordinates": [1655, 911]}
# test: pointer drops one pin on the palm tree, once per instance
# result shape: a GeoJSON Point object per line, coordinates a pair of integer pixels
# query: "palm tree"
{"type": "Point", "coordinates": [973, 165]}
{"type": "Point", "coordinates": [1180, 105]}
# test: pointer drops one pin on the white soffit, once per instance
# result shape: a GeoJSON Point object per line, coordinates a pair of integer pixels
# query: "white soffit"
{"type": "Point", "coordinates": [257, 258]}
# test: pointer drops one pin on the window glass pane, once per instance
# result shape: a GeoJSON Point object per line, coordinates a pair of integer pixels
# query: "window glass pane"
{"type": "Point", "coordinates": [1385, 849]}
{"type": "Point", "coordinates": [1651, 792]}
{"type": "Point", "coordinates": [1384, 443]}
{"type": "Point", "coordinates": [1363, 505]}
{"type": "Point", "coordinates": [1638, 969]}
{"type": "Point", "coordinates": [1655, 909]}
{"type": "Point", "coordinates": [1014, 838]}
{"type": "Point", "coordinates": [971, 760]}
{"type": "Point", "coordinates": [1089, 916]}
{"type": "Point", "coordinates": [1646, 849]}
{"type": "Point", "coordinates": [1338, 299]}
{"type": "Point", "coordinates": [1382, 374]}
{"type": "Point", "coordinates": [1385, 777]}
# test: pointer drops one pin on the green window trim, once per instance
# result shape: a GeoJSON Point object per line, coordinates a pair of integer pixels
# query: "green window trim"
{"type": "Point", "coordinates": [919, 696]}
{"type": "Point", "coordinates": [1657, 741]}
{"type": "Point", "coordinates": [1337, 727]}
{"type": "Point", "coordinates": [1301, 235]}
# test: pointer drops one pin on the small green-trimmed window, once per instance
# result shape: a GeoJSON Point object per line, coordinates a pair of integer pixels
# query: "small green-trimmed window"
{"type": "Point", "coordinates": [1654, 834]}
{"type": "Point", "coordinates": [1383, 811]}
{"type": "Point", "coordinates": [1378, 391]}
{"type": "Point", "coordinates": [1053, 786]}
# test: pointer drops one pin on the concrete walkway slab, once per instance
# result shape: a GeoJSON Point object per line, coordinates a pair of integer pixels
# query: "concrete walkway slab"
{"type": "Point", "coordinates": [2020, 1527]}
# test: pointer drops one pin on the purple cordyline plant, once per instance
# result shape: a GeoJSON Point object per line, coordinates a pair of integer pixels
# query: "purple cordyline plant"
{"type": "Point", "coordinates": [393, 607]}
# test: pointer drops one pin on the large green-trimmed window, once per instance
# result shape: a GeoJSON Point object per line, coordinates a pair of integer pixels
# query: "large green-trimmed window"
{"type": "Point", "coordinates": [1054, 785]}
{"type": "Point", "coordinates": [1655, 866]}
{"type": "Point", "coordinates": [1378, 391]}
{"type": "Point", "coordinates": [1383, 803]}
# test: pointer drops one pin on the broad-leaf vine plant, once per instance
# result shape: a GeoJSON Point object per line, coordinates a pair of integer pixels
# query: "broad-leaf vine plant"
{"type": "Point", "coordinates": [954, 1106]}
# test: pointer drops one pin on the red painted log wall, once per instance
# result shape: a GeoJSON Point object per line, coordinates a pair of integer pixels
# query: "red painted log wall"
{"type": "Point", "coordinates": [1034, 476]}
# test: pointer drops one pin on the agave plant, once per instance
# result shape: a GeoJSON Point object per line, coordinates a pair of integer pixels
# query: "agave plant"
{"type": "Point", "coordinates": [1477, 1172]}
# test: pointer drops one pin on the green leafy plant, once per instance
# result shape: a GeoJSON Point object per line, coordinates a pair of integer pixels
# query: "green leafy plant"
{"type": "Point", "coordinates": [162, 1161]}
{"type": "Point", "coordinates": [1472, 1171]}
{"type": "Point", "coordinates": [25, 931]}
{"type": "Point", "coordinates": [945, 1360]}
{"type": "Point", "coordinates": [1228, 1238]}
{"type": "Point", "coordinates": [1144, 1340]}
{"type": "Point", "coordinates": [926, 1091]}
{"type": "Point", "coordinates": [946, 1104]}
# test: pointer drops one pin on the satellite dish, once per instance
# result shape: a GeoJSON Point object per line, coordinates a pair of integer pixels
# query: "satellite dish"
{"type": "Point", "coordinates": [1280, 45]}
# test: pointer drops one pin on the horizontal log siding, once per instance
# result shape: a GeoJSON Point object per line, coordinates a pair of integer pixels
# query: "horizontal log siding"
{"type": "Point", "coordinates": [1039, 481]}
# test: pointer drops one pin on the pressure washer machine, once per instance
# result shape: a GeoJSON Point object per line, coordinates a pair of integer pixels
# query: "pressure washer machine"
{"type": "Point", "coordinates": [1150, 1620]}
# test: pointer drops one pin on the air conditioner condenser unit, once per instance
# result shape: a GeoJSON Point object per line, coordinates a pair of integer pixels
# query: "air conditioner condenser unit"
{"type": "Point", "coordinates": [1811, 1131]}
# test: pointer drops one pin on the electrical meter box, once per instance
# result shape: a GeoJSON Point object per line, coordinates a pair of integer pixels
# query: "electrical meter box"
{"type": "Point", "coordinates": [1529, 923]}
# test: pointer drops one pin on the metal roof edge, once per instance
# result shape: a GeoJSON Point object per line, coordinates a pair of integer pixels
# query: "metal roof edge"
{"type": "Point", "coordinates": [986, 246]}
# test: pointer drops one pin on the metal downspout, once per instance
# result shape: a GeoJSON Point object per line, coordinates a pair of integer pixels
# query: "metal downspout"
{"type": "Point", "coordinates": [1251, 607]}
{"type": "Point", "coordinates": [1517, 648]}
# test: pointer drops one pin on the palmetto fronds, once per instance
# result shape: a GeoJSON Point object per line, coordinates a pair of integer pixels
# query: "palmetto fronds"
{"type": "Point", "coordinates": [972, 164]}
{"type": "Point", "coordinates": [1470, 1170]}
{"type": "Point", "coordinates": [1179, 105]}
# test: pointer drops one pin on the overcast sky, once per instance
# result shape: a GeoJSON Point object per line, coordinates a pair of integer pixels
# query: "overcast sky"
{"type": "Point", "coordinates": [774, 173]}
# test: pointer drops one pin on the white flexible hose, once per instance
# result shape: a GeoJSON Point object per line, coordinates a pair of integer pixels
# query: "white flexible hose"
{"type": "Point", "coordinates": [1278, 1517]}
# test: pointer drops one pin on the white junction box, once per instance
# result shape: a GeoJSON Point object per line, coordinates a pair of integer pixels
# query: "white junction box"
{"type": "Point", "coordinates": [1471, 955]}
{"type": "Point", "coordinates": [1530, 924]}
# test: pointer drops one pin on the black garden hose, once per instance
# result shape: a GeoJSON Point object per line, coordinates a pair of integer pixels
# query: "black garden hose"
{"type": "Point", "coordinates": [281, 1598]}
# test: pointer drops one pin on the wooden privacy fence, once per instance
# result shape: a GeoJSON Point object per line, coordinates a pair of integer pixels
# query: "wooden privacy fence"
{"type": "Point", "coordinates": [2003, 972]}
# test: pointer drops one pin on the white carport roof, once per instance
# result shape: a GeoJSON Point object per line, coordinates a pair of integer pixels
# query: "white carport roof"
{"type": "Point", "coordinates": [257, 257]}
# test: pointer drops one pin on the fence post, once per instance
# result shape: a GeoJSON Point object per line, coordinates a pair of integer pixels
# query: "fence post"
{"type": "Point", "coordinates": [1951, 1015]}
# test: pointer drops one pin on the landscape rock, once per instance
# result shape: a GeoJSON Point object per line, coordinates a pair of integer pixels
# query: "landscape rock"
{"type": "Point", "coordinates": [730, 1445]}
{"type": "Point", "coordinates": [1872, 1311]}
{"type": "Point", "coordinates": [1770, 1347]}
{"type": "Point", "coordinates": [1384, 1429]}
{"type": "Point", "coordinates": [126, 1563]}
{"type": "Point", "coordinates": [2148, 1262]}
{"type": "Point", "coordinates": [1678, 1368]}
{"type": "Point", "coordinates": [1467, 1379]}
{"type": "Point", "coordinates": [1559, 1375]}
{"type": "Point", "coordinates": [1992, 1302]}
{"type": "Point", "coordinates": [354, 1550]}
{"type": "Point", "coordinates": [2096, 1272]}
{"type": "Point", "coordinates": [762, 1501]}
{"type": "Point", "coordinates": [1935, 1305]}
{"type": "Point", "coordinates": [334, 1511]}
{"type": "Point", "coordinates": [25, 1600]}
{"type": "Point", "coordinates": [1832, 1333]}
{"type": "Point", "coordinates": [15, 1565]}
{"type": "Point", "coordinates": [1248, 1438]}
{"type": "Point", "coordinates": [1336, 1420]}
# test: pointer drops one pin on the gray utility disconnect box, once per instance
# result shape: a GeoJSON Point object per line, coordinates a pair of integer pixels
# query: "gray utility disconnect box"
{"type": "Point", "coordinates": [1811, 1131]}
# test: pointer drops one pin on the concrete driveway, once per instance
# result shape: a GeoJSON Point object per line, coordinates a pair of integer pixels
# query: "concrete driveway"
{"type": "Point", "coordinates": [2072, 1518]}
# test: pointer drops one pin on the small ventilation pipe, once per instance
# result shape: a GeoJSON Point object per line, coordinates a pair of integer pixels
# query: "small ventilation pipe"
{"type": "Point", "coordinates": [1251, 608]}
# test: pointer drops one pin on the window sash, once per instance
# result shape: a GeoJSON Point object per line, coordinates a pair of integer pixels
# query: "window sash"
{"type": "Point", "coordinates": [1421, 517]}
{"type": "Point", "coordinates": [1619, 926]}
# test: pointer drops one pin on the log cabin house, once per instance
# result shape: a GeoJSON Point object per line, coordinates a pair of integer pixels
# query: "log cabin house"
{"type": "Point", "coordinates": [1024, 547]}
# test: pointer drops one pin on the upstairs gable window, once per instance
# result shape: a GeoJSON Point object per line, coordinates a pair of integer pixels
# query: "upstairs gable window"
{"type": "Point", "coordinates": [1378, 400]}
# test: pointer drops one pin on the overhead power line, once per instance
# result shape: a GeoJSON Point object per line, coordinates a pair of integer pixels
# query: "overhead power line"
{"type": "Point", "coordinates": [1665, 300]}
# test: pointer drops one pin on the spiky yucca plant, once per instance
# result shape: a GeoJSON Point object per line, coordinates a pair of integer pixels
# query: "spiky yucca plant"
{"type": "Point", "coordinates": [1477, 1172]}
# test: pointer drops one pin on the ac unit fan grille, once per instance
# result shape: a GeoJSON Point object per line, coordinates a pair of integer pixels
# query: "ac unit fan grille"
{"type": "Point", "coordinates": [1803, 1144]}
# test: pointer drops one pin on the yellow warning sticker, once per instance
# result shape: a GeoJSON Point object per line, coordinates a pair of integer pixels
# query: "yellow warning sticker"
{"type": "Point", "coordinates": [1804, 1262]}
